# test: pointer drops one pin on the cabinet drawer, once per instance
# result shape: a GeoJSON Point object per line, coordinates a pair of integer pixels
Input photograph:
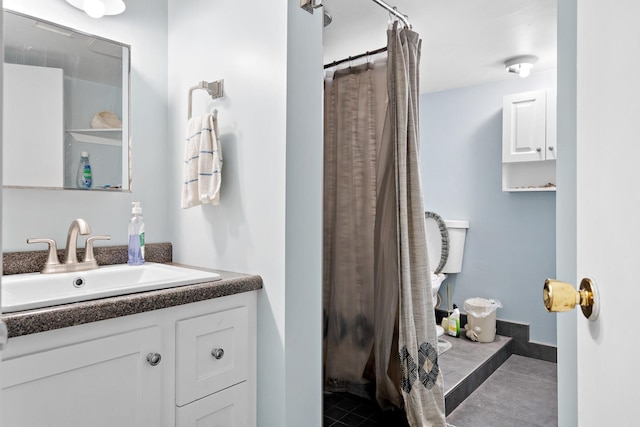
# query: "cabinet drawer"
{"type": "Point", "coordinates": [227, 408]}
{"type": "Point", "coordinates": [212, 353]}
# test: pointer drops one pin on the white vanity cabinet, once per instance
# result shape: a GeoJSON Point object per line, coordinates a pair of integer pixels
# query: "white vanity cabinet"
{"type": "Point", "coordinates": [529, 147]}
{"type": "Point", "coordinates": [107, 373]}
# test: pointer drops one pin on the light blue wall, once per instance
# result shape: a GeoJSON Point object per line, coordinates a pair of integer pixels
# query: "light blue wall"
{"type": "Point", "coordinates": [510, 245]}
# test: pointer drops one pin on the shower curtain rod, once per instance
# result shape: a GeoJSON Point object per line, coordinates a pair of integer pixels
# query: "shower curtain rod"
{"type": "Point", "coordinates": [391, 9]}
{"type": "Point", "coordinates": [352, 58]}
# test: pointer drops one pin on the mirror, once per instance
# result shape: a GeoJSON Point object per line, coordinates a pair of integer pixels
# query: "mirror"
{"type": "Point", "coordinates": [66, 93]}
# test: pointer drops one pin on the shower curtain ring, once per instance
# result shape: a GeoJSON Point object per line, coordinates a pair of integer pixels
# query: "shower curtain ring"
{"type": "Point", "coordinates": [393, 16]}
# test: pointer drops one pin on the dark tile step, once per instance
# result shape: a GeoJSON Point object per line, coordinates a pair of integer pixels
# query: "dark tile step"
{"type": "Point", "coordinates": [468, 364]}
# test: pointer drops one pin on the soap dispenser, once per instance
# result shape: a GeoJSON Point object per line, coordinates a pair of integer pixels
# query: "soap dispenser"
{"type": "Point", "coordinates": [136, 235]}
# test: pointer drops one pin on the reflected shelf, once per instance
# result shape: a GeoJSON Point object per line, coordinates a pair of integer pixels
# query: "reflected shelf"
{"type": "Point", "coordinates": [97, 136]}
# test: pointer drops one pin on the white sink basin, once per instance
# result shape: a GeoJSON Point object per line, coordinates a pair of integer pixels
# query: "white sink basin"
{"type": "Point", "coordinates": [35, 290]}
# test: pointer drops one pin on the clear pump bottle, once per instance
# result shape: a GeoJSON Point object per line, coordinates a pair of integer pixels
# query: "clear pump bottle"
{"type": "Point", "coordinates": [136, 235]}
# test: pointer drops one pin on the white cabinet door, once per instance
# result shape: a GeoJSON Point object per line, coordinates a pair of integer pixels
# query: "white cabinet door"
{"type": "Point", "coordinates": [524, 130]}
{"type": "Point", "coordinates": [227, 408]}
{"type": "Point", "coordinates": [551, 152]}
{"type": "Point", "coordinates": [104, 382]}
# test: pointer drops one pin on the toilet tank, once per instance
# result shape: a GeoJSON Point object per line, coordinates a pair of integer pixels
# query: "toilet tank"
{"type": "Point", "coordinates": [457, 230]}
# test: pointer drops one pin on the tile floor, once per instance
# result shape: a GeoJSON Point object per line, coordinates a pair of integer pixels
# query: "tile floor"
{"type": "Point", "coordinates": [522, 392]}
{"type": "Point", "coordinates": [347, 410]}
{"type": "Point", "coordinates": [467, 364]}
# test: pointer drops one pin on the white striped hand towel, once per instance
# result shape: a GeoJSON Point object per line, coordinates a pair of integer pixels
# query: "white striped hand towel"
{"type": "Point", "coordinates": [202, 163]}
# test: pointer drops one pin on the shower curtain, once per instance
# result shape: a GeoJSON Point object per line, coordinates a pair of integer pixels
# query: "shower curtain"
{"type": "Point", "coordinates": [354, 115]}
{"type": "Point", "coordinates": [379, 317]}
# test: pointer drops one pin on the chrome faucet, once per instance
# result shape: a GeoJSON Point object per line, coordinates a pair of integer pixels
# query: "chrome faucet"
{"type": "Point", "coordinates": [53, 265]}
{"type": "Point", "coordinates": [78, 226]}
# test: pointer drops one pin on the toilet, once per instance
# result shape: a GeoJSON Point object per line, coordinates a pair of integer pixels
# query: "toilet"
{"type": "Point", "coordinates": [457, 231]}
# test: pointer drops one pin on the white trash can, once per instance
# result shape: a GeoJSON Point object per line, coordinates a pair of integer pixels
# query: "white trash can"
{"type": "Point", "coordinates": [481, 318]}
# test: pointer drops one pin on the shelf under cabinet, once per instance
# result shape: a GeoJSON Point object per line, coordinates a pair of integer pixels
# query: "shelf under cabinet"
{"type": "Point", "coordinates": [97, 136]}
{"type": "Point", "coordinates": [529, 176]}
{"type": "Point", "coordinates": [528, 189]}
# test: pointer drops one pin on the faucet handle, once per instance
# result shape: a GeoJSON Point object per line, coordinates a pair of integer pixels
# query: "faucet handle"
{"type": "Point", "coordinates": [52, 257]}
{"type": "Point", "coordinates": [88, 249]}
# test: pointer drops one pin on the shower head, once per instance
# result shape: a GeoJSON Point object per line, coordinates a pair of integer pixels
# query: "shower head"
{"type": "Point", "coordinates": [326, 18]}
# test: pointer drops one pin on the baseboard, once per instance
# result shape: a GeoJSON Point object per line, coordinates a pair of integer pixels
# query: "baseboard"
{"type": "Point", "coordinates": [520, 343]}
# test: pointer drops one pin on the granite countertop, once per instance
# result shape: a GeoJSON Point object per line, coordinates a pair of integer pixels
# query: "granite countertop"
{"type": "Point", "coordinates": [62, 316]}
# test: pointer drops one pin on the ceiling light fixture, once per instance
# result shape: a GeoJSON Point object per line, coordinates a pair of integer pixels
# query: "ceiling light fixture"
{"type": "Point", "coordinates": [521, 65]}
{"type": "Point", "coordinates": [99, 8]}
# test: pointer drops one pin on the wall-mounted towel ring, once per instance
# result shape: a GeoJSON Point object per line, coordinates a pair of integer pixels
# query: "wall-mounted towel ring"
{"type": "Point", "coordinates": [214, 89]}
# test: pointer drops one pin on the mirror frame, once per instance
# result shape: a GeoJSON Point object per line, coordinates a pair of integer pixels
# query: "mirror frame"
{"type": "Point", "coordinates": [126, 145]}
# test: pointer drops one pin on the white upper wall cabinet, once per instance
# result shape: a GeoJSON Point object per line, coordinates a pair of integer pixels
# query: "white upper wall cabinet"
{"type": "Point", "coordinates": [529, 147]}
{"type": "Point", "coordinates": [525, 136]}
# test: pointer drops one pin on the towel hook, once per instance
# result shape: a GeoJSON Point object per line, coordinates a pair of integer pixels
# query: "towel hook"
{"type": "Point", "coordinates": [214, 89]}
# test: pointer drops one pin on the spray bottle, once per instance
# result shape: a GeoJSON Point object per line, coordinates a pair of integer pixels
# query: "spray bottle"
{"type": "Point", "coordinates": [454, 322]}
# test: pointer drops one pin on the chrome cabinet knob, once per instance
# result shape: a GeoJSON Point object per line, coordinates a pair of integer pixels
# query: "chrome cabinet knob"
{"type": "Point", "coordinates": [154, 358]}
{"type": "Point", "coordinates": [538, 149]}
{"type": "Point", "coordinates": [551, 148]}
{"type": "Point", "coordinates": [218, 353]}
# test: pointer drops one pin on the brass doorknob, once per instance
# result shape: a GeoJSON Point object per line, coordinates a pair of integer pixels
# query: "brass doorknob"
{"type": "Point", "coordinates": [561, 296]}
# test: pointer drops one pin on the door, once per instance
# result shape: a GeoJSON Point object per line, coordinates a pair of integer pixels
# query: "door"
{"type": "Point", "coordinates": [599, 210]}
{"type": "Point", "coordinates": [3, 327]}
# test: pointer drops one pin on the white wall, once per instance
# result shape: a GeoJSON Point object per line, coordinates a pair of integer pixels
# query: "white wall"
{"type": "Point", "coordinates": [303, 318]}
{"type": "Point", "coordinates": [47, 213]}
{"type": "Point", "coordinates": [510, 245]}
{"type": "Point", "coordinates": [245, 43]}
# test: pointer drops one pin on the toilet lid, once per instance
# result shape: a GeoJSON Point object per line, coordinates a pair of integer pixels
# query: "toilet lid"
{"type": "Point", "coordinates": [444, 236]}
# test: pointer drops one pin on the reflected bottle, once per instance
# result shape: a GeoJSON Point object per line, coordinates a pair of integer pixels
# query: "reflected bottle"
{"type": "Point", "coordinates": [84, 178]}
